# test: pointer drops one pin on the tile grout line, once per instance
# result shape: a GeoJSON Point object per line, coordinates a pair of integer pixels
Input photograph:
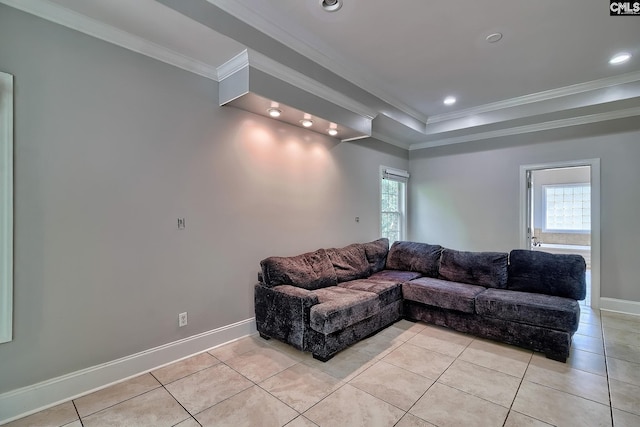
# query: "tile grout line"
{"type": "Point", "coordinates": [606, 369]}
{"type": "Point", "coordinates": [436, 380]}
{"type": "Point", "coordinates": [122, 401]}
{"type": "Point", "coordinates": [174, 398]}
{"type": "Point", "coordinates": [576, 395]}
{"type": "Point", "coordinates": [78, 413]}
{"type": "Point", "coordinates": [251, 381]}
{"type": "Point", "coordinates": [285, 403]}
{"type": "Point", "coordinates": [318, 402]}
{"type": "Point", "coordinates": [161, 385]}
{"type": "Point", "coordinates": [570, 393]}
{"type": "Point", "coordinates": [463, 391]}
{"type": "Point", "coordinates": [344, 383]}
{"type": "Point", "coordinates": [268, 344]}
{"type": "Point", "coordinates": [518, 390]}
{"type": "Point", "coordinates": [375, 361]}
{"type": "Point", "coordinates": [563, 391]}
{"type": "Point", "coordinates": [223, 400]}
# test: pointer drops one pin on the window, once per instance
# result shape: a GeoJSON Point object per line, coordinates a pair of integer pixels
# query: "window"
{"type": "Point", "coordinates": [393, 203]}
{"type": "Point", "coordinates": [567, 207]}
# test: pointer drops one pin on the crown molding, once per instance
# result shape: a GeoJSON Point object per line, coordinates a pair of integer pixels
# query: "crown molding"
{"type": "Point", "coordinates": [538, 97]}
{"type": "Point", "coordinates": [233, 65]}
{"type": "Point", "coordinates": [76, 21]}
{"type": "Point", "coordinates": [537, 127]}
{"type": "Point", "coordinates": [303, 47]}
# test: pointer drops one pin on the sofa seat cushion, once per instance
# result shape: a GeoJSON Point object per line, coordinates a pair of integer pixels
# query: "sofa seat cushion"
{"type": "Point", "coordinates": [395, 275]}
{"type": "Point", "coordinates": [547, 311]}
{"type": "Point", "coordinates": [387, 291]}
{"type": "Point", "coordinates": [488, 269]}
{"type": "Point", "coordinates": [341, 307]}
{"type": "Point", "coordinates": [442, 293]}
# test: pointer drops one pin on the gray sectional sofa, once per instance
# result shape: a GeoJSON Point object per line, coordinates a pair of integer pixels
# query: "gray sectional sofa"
{"type": "Point", "coordinates": [326, 300]}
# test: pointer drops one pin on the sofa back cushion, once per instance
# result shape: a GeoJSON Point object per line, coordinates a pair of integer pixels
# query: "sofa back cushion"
{"type": "Point", "coordinates": [376, 253]}
{"type": "Point", "coordinates": [312, 270]}
{"type": "Point", "coordinates": [488, 269]}
{"type": "Point", "coordinates": [350, 262]}
{"type": "Point", "coordinates": [544, 273]}
{"type": "Point", "coordinates": [412, 256]}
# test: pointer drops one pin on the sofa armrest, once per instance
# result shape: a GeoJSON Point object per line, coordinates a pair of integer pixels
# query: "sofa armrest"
{"type": "Point", "coordinates": [283, 312]}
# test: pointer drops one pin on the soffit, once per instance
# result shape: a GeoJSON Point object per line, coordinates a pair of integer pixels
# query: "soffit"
{"type": "Point", "coordinates": [394, 61]}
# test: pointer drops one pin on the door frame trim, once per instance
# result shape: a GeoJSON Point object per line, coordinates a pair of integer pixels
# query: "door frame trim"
{"type": "Point", "coordinates": [595, 214]}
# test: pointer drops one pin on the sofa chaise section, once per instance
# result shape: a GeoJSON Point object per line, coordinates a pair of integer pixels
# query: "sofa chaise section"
{"type": "Point", "coordinates": [324, 301]}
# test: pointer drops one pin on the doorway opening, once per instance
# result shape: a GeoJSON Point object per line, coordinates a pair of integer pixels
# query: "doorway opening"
{"type": "Point", "coordinates": [561, 214]}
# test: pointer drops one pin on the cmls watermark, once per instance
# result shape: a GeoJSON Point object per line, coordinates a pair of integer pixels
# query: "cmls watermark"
{"type": "Point", "coordinates": [624, 8]}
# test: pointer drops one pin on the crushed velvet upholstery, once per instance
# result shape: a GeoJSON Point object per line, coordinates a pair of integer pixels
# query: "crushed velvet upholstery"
{"type": "Point", "coordinates": [395, 275]}
{"type": "Point", "coordinates": [376, 253]}
{"type": "Point", "coordinates": [326, 300]}
{"type": "Point", "coordinates": [312, 270]}
{"type": "Point", "coordinates": [548, 311]}
{"type": "Point", "coordinates": [325, 346]}
{"type": "Point", "coordinates": [488, 269]}
{"type": "Point", "coordinates": [412, 256]}
{"type": "Point", "coordinates": [442, 293]}
{"type": "Point", "coordinates": [553, 343]}
{"type": "Point", "coordinates": [387, 291]}
{"type": "Point", "coordinates": [350, 262]}
{"type": "Point", "coordinates": [282, 312]}
{"type": "Point", "coordinates": [544, 273]}
{"type": "Point", "coordinates": [340, 307]}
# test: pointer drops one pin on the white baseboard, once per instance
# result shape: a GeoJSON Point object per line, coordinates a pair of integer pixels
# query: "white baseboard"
{"type": "Point", "coordinates": [620, 306]}
{"type": "Point", "coordinates": [28, 400]}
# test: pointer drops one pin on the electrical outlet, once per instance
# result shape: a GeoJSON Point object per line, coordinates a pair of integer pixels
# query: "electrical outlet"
{"type": "Point", "coordinates": [182, 319]}
{"type": "Point", "coordinates": [181, 223]}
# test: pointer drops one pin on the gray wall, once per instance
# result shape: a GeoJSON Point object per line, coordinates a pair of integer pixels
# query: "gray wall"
{"type": "Point", "coordinates": [111, 147]}
{"type": "Point", "coordinates": [466, 196]}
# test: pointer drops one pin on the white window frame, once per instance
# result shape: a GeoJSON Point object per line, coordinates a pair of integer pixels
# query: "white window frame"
{"type": "Point", "coordinates": [6, 207]}
{"type": "Point", "coordinates": [545, 228]}
{"type": "Point", "coordinates": [401, 176]}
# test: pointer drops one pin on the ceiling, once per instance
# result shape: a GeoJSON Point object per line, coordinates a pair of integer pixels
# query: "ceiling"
{"type": "Point", "coordinates": [396, 61]}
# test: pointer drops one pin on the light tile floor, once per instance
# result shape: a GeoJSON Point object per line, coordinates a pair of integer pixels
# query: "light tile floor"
{"type": "Point", "coordinates": [408, 375]}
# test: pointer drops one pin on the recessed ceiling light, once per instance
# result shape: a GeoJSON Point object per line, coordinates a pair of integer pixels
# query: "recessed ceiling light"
{"type": "Point", "coordinates": [306, 123]}
{"type": "Point", "coordinates": [450, 100]}
{"type": "Point", "coordinates": [620, 58]}
{"type": "Point", "coordinates": [493, 38]}
{"type": "Point", "coordinates": [274, 112]}
{"type": "Point", "coordinates": [332, 132]}
{"type": "Point", "coordinates": [331, 5]}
